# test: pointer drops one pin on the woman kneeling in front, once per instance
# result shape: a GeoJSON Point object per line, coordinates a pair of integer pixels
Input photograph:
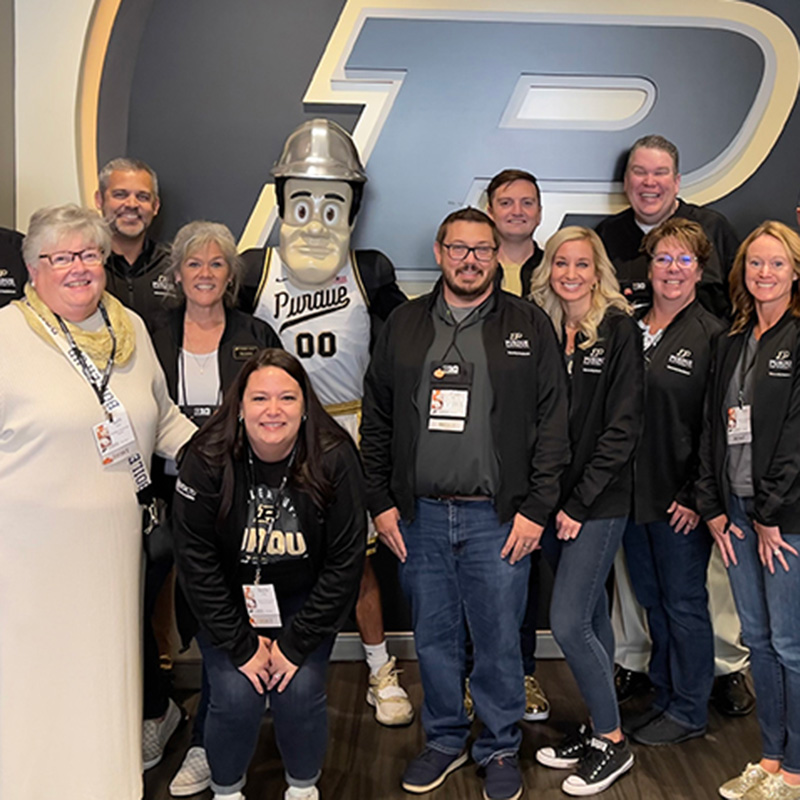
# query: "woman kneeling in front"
{"type": "Point", "coordinates": [270, 528]}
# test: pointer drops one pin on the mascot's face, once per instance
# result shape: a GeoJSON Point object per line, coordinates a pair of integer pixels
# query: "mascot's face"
{"type": "Point", "coordinates": [315, 232]}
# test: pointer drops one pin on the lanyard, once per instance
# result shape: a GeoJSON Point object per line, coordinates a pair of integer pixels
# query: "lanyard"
{"type": "Point", "coordinates": [746, 369]}
{"type": "Point", "coordinates": [270, 524]}
{"type": "Point", "coordinates": [98, 382]}
{"type": "Point", "coordinates": [456, 331]}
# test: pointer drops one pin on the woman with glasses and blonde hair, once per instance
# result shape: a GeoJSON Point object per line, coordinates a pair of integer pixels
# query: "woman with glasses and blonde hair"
{"type": "Point", "coordinates": [577, 288]}
{"type": "Point", "coordinates": [749, 492]}
{"type": "Point", "coordinates": [666, 546]}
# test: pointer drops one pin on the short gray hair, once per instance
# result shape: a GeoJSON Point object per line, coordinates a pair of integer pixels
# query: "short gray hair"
{"type": "Point", "coordinates": [197, 234]}
{"type": "Point", "coordinates": [655, 142]}
{"type": "Point", "coordinates": [125, 165]}
{"type": "Point", "coordinates": [49, 225]}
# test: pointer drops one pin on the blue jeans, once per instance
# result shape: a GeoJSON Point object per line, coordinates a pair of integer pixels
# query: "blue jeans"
{"type": "Point", "coordinates": [454, 579]}
{"type": "Point", "coordinates": [579, 614]}
{"type": "Point", "coordinates": [527, 633]}
{"type": "Point", "coordinates": [769, 610]}
{"type": "Point", "coordinates": [235, 711]}
{"type": "Point", "coordinates": [668, 573]}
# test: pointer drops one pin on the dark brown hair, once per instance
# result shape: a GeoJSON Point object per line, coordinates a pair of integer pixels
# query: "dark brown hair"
{"type": "Point", "coordinates": [509, 176]}
{"type": "Point", "coordinates": [468, 214]}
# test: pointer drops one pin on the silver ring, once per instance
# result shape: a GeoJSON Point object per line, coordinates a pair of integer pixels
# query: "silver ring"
{"type": "Point", "coordinates": [776, 551]}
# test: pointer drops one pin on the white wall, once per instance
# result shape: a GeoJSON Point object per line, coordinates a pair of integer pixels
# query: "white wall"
{"type": "Point", "coordinates": [49, 45]}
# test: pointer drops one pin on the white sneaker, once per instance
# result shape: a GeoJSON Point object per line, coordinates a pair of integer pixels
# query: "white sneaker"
{"type": "Point", "coordinates": [156, 734]}
{"type": "Point", "coordinates": [234, 796]}
{"type": "Point", "coordinates": [306, 793]}
{"type": "Point", "coordinates": [194, 774]}
{"type": "Point", "coordinates": [392, 706]}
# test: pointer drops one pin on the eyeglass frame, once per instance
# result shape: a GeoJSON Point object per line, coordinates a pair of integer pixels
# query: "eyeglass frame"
{"type": "Point", "coordinates": [672, 260]}
{"type": "Point", "coordinates": [79, 254]}
{"type": "Point", "coordinates": [492, 251]}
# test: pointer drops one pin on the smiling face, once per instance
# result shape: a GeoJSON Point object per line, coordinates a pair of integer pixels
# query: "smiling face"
{"type": "Point", "coordinates": [769, 272]}
{"type": "Point", "coordinates": [315, 230]}
{"type": "Point", "coordinates": [204, 275]}
{"type": "Point", "coordinates": [468, 281]}
{"type": "Point", "coordinates": [652, 185]}
{"type": "Point", "coordinates": [129, 203]}
{"type": "Point", "coordinates": [573, 274]}
{"type": "Point", "coordinates": [272, 410]}
{"type": "Point", "coordinates": [74, 291]}
{"type": "Point", "coordinates": [516, 210]}
{"type": "Point", "coordinates": [674, 272]}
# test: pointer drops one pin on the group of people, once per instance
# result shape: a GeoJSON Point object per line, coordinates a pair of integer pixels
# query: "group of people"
{"type": "Point", "coordinates": [580, 401]}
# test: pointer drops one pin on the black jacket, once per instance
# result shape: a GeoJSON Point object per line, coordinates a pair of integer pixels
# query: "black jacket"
{"type": "Point", "coordinates": [605, 419]}
{"type": "Point", "coordinates": [528, 420]}
{"type": "Point", "coordinates": [667, 461]}
{"type": "Point", "coordinates": [208, 558]}
{"type": "Point", "coordinates": [526, 270]}
{"type": "Point", "coordinates": [374, 269]}
{"type": "Point", "coordinates": [243, 336]}
{"type": "Point", "coordinates": [622, 238]}
{"type": "Point", "coordinates": [775, 423]}
{"type": "Point", "coordinates": [13, 273]}
{"type": "Point", "coordinates": [142, 286]}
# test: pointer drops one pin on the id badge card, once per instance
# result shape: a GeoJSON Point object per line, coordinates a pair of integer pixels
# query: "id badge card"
{"type": "Point", "coordinates": [739, 428]}
{"type": "Point", "coordinates": [114, 438]}
{"type": "Point", "coordinates": [261, 603]}
{"type": "Point", "coordinates": [448, 406]}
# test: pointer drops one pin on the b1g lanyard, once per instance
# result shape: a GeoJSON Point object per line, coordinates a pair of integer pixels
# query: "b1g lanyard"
{"type": "Point", "coordinates": [261, 526]}
{"type": "Point", "coordinates": [77, 354]}
{"type": "Point", "coordinates": [183, 397]}
{"type": "Point", "coordinates": [739, 420]}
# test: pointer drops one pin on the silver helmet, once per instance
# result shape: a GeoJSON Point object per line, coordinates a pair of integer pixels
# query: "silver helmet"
{"type": "Point", "coordinates": [320, 150]}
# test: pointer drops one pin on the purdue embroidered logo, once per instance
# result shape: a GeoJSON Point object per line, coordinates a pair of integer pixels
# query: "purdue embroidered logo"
{"type": "Point", "coordinates": [163, 287]}
{"type": "Point", "coordinates": [593, 361]}
{"type": "Point", "coordinates": [308, 305]}
{"type": "Point", "coordinates": [7, 282]}
{"type": "Point", "coordinates": [781, 365]}
{"type": "Point", "coordinates": [681, 362]}
{"type": "Point", "coordinates": [517, 344]}
{"type": "Point", "coordinates": [185, 491]}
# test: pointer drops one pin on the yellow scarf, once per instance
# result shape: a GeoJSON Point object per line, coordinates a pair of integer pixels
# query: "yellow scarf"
{"type": "Point", "coordinates": [96, 344]}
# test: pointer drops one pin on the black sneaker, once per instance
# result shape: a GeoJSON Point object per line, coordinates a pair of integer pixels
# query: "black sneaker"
{"type": "Point", "coordinates": [632, 722]}
{"type": "Point", "coordinates": [569, 752]}
{"type": "Point", "coordinates": [502, 780]}
{"type": "Point", "coordinates": [732, 696]}
{"type": "Point", "coordinates": [430, 769]}
{"type": "Point", "coordinates": [665, 730]}
{"type": "Point", "coordinates": [603, 763]}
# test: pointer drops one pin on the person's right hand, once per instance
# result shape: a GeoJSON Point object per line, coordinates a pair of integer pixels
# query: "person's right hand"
{"type": "Point", "coordinates": [721, 529]}
{"type": "Point", "coordinates": [257, 668]}
{"type": "Point", "coordinates": [389, 532]}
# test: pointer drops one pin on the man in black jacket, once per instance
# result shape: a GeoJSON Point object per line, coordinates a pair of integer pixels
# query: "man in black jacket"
{"type": "Point", "coordinates": [464, 438]}
{"type": "Point", "coordinates": [127, 197]}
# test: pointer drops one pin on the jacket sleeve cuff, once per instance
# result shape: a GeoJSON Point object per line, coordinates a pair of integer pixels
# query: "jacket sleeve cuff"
{"type": "Point", "coordinates": [289, 645]}
{"type": "Point", "coordinates": [245, 649]}
{"type": "Point", "coordinates": [575, 509]}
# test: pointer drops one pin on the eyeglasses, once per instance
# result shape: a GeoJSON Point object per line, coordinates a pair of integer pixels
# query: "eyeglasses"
{"type": "Point", "coordinates": [458, 252]}
{"type": "Point", "coordinates": [665, 261]}
{"type": "Point", "coordinates": [63, 259]}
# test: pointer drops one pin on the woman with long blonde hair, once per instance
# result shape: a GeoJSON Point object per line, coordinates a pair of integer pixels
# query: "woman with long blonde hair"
{"type": "Point", "coordinates": [578, 289]}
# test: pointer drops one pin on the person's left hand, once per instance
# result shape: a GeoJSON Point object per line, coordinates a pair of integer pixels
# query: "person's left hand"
{"type": "Point", "coordinates": [566, 527]}
{"type": "Point", "coordinates": [523, 539]}
{"type": "Point", "coordinates": [683, 518]}
{"type": "Point", "coordinates": [771, 546]}
{"type": "Point", "coordinates": [281, 669]}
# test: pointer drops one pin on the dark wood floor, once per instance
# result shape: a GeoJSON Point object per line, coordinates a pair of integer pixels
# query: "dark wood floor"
{"type": "Point", "coordinates": [365, 760]}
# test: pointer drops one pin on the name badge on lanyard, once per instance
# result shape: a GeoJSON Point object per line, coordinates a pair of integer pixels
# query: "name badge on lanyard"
{"type": "Point", "coordinates": [451, 383]}
{"type": "Point", "coordinates": [740, 430]}
{"type": "Point", "coordinates": [261, 603]}
{"type": "Point", "coordinates": [114, 437]}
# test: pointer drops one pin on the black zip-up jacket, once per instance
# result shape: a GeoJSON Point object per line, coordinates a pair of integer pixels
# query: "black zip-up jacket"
{"type": "Point", "coordinates": [622, 238]}
{"type": "Point", "coordinates": [13, 273]}
{"type": "Point", "coordinates": [667, 461]}
{"type": "Point", "coordinates": [243, 337]}
{"type": "Point", "coordinates": [528, 419]}
{"type": "Point", "coordinates": [775, 419]}
{"type": "Point", "coordinates": [605, 419]}
{"type": "Point", "coordinates": [374, 269]}
{"type": "Point", "coordinates": [142, 286]}
{"type": "Point", "coordinates": [208, 558]}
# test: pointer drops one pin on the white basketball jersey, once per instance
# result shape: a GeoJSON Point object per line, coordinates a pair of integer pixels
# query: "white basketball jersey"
{"type": "Point", "coordinates": [327, 329]}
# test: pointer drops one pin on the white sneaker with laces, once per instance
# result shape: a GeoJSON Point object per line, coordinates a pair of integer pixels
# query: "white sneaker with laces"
{"type": "Point", "coordinates": [156, 734]}
{"type": "Point", "coordinates": [307, 793]}
{"type": "Point", "coordinates": [194, 774]}
{"type": "Point", "coordinates": [391, 703]}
